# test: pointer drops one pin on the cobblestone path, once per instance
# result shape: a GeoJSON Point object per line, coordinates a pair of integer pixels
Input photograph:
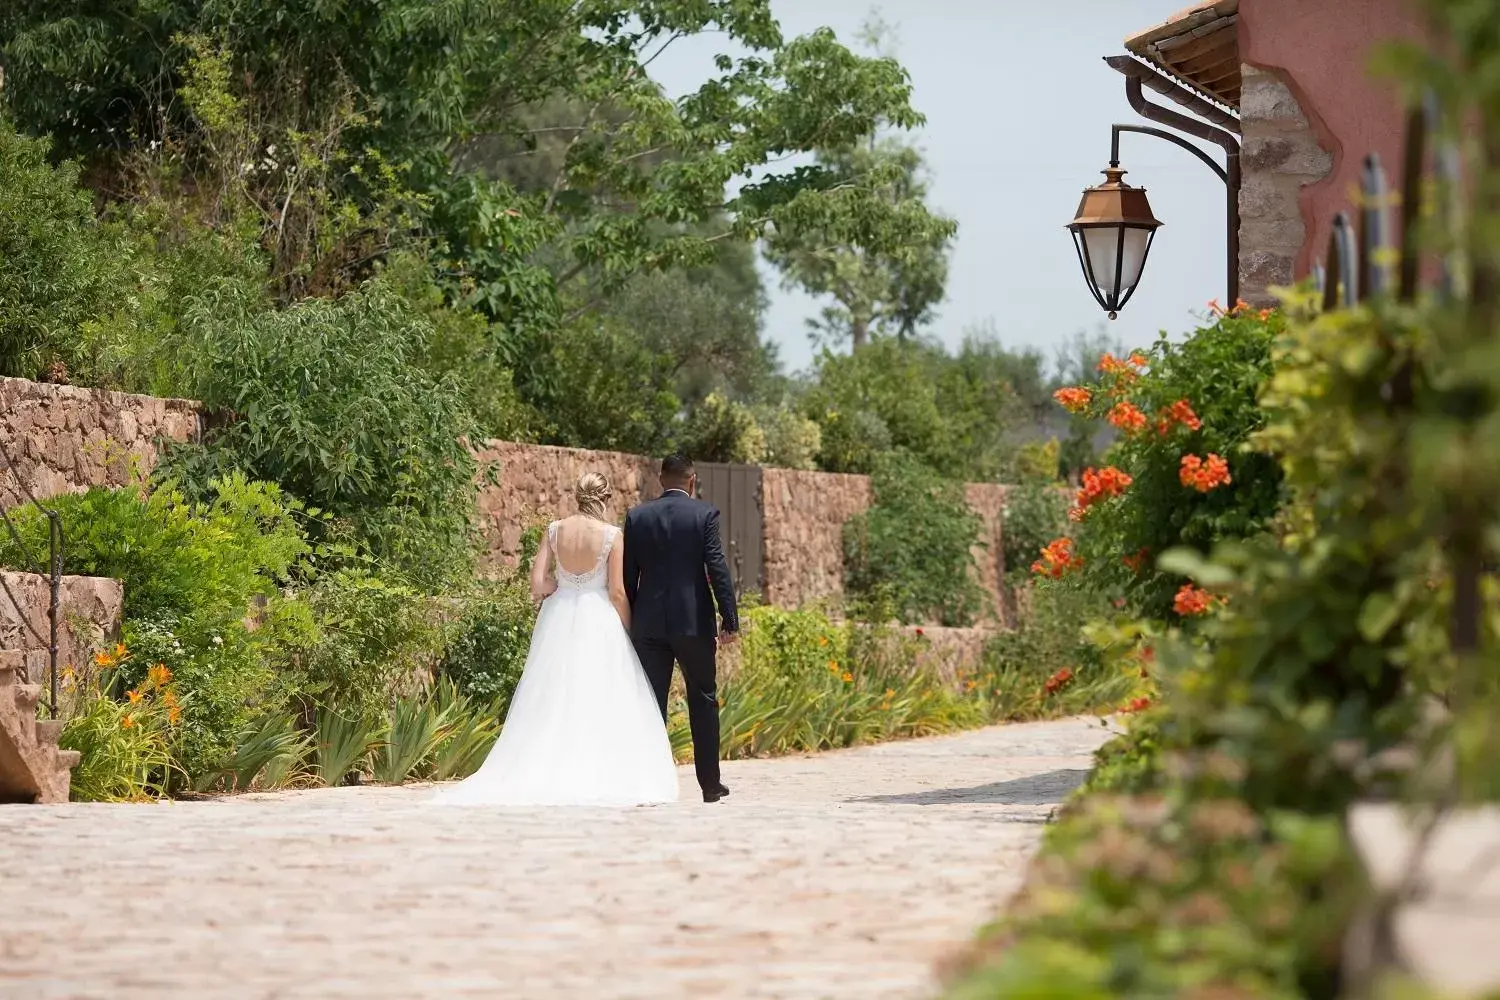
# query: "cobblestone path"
{"type": "Point", "coordinates": [843, 874]}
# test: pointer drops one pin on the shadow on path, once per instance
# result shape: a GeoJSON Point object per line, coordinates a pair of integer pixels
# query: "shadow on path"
{"type": "Point", "coordinates": [1048, 788]}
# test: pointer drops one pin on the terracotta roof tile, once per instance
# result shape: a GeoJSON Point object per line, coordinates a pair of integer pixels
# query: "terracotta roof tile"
{"type": "Point", "coordinates": [1198, 45]}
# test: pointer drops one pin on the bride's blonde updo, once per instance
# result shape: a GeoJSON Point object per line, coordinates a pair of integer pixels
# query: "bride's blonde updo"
{"type": "Point", "coordinates": [592, 494]}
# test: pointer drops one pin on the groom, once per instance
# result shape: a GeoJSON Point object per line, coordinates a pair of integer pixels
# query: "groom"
{"type": "Point", "coordinates": [673, 557]}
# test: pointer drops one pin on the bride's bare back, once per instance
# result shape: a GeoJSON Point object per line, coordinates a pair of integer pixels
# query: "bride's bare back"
{"type": "Point", "coordinates": [583, 548]}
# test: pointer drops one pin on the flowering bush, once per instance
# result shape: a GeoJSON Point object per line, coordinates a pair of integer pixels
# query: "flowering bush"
{"type": "Point", "coordinates": [1181, 472]}
{"type": "Point", "coordinates": [124, 733]}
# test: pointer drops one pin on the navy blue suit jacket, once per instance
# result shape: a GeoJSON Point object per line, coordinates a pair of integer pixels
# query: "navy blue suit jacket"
{"type": "Point", "coordinates": [675, 569]}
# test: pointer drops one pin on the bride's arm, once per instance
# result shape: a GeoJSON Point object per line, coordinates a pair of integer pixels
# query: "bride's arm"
{"type": "Point", "coordinates": [543, 583]}
{"type": "Point", "coordinates": [617, 585]}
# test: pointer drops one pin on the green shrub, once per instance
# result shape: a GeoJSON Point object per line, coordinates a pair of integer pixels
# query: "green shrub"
{"type": "Point", "coordinates": [374, 639]}
{"type": "Point", "coordinates": [326, 399]}
{"type": "Point", "coordinates": [59, 267]}
{"type": "Point", "coordinates": [488, 644]}
{"type": "Point", "coordinates": [912, 549]}
{"type": "Point", "coordinates": [1036, 512]}
{"type": "Point", "coordinates": [1053, 664]}
{"type": "Point", "coordinates": [1218, 373]}
{"type": "Point", "coordinates": [790, 440]}
{"type": "Point", "coordinates": [222, 670]}
{"type": "Point", "coordinates": [202, 559]}
{"type": "Point", "coordinates": [803, 682]}
{"type": "Point", "coordinates": [342, 745]}
{"type": "Point", "coordinates": [1188, 895]}
{"type": "Point", "coordinates": [267, 753]}
{"type": "Point", "coordinates": [192, 572]}
{"type": "Point", "coordinates": [608, 390]}
{"type": "Point", "coordinates": [721, 430]}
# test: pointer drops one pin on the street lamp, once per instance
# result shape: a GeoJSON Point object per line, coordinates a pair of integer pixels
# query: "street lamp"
{"type": "Point", "coordinates": [1112, 233]}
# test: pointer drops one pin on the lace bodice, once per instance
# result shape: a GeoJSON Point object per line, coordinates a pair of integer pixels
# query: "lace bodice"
{"type": "Point", "coordinates": [594, 579]}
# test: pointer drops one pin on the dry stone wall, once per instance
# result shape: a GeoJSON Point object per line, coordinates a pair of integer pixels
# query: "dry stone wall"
{"type": "Point", "coordinates": [804, 514]}
{"type": "Point", "coordinates": [65, 439]}
{"type": "Point", "coordinates": [804, 542]}
{"type": "Point", "coordinates": [92, 611]}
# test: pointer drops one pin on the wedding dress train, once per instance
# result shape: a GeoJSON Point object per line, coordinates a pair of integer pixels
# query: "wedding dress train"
{"type": "Point", "coordinates": [583, 727]}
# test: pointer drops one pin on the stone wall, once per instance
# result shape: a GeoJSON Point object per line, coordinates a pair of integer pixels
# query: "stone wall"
{"type": "Point", "coordinates": [64, 439]}
{"type": "Point", "coordinates": [804, 514]}
{"type": "Point", "coordinates": [988, 501]}
{"type": "Point", "coordinates": [804, 542]}
{"type": "Point", "coordinates": [92, 609]}
{"type": "Point", "coordinates": [1280, 156]}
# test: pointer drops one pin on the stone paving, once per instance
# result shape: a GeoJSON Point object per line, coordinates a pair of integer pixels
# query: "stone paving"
{"type": "Point", "coordinates": [843, 874]}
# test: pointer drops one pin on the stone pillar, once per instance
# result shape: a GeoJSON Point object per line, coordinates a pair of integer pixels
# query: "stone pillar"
{"type": "Point", "coordinates": [1279, 157]}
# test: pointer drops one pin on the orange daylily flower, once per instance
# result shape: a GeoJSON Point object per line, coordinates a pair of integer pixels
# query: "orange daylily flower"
{"type": "Point", "coordinates": [1180, 412]}
{"type": "Point", "coordinates": [1204, 474]}
{"type": "Point", "coordinates": [1191, 601]}
{"type": "Point", "coordinates": [1075, 399]}
{"type": "Point", "coordinates": [1098, 485]}
{"type": "Point", "coordinates": [1057, 559]}
{"type": "Point", "coordinates": [1127, 418]}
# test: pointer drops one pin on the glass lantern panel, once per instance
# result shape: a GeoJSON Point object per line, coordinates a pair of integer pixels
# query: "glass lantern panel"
{"type": "Point", "coordinates": [1116, 266]}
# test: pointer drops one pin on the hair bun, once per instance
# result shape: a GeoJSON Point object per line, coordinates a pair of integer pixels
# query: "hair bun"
{"type": "Point", "coordinates": [592, 492]}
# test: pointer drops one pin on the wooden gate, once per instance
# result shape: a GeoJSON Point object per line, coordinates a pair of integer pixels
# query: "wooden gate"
{"type": "Point", "coordinates": [735, 490]}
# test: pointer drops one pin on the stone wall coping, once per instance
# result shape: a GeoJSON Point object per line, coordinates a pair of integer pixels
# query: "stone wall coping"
{"type": "Point", "coordinates": [32, 389]}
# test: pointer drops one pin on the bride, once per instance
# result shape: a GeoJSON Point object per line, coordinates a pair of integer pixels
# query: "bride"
{"type": "Point", "coordinates": [583, 727]}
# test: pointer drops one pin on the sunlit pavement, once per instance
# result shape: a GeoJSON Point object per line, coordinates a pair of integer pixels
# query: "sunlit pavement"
{"type": "Point", "coordinates": [837, 875]}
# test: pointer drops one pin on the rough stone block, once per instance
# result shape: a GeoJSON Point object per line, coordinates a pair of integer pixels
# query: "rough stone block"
{"type": "Point", "coordinates": [63, 438]}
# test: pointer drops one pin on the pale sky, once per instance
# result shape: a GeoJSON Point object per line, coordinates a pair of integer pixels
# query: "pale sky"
{"type": "Point", "coordinates": [1019, 104]}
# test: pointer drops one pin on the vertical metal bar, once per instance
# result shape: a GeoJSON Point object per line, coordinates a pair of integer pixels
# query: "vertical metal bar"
{"type": "Point", "coordinates": [54, 605]}
{"type": "Point", "coordinates": [1335, 271]}
{"type": "Point", "coordinates": [1114, 295]}
{"type": "Point", "coordinates": [1413, 165]}
{"type": "Point", "coordinates": [1374, 225]}
{"type": "Point", "coordinates": [1232, 222]}
{"type": "Point", "coordinates": [1348, 260]}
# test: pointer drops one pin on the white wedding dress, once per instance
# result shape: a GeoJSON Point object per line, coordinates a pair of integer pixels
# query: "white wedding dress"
{"type": "Point", "coordinates": [583, 727]}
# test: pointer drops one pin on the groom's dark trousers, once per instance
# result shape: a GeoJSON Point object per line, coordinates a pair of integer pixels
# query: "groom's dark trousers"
{"type": "Point", "coordinates": [695, 654]}
{"type": "Point", "coordinates": [675, 572]}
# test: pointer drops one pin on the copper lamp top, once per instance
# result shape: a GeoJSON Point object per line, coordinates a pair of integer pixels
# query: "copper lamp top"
{"type": "Point", "coordinates": [1114, 203]}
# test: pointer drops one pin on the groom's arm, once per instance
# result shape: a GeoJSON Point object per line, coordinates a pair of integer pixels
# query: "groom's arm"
{"type": "Point", "coordinates": [718, 573]}
{"type": "Point", "coordinates": [632, 569]}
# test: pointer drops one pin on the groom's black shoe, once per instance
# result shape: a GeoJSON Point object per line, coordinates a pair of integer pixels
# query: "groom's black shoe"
{"type": "Point", "coordinates": [714, 795]}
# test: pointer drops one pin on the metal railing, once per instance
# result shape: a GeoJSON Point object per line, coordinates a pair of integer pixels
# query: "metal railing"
{"type": "Point", "coordinates": [53, 570]}
{"type": "Point", "coordinates": [1357, 264]}
{"type": "Point", "coordinates": [1358, 267]}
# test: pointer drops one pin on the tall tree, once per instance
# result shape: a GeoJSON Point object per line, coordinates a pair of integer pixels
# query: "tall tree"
{"type": "Point", "coordinates": [888, 289]}
{"type": "Point", "coordinates": [255, 95]}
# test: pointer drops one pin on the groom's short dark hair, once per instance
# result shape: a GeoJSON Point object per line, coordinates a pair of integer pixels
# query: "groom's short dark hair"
{"type": "Point", "coordinates": [676, 468]}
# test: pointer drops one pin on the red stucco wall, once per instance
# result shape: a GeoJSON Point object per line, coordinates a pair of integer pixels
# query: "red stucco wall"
{"type": "Point", "coordinates": [1322, 50]}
